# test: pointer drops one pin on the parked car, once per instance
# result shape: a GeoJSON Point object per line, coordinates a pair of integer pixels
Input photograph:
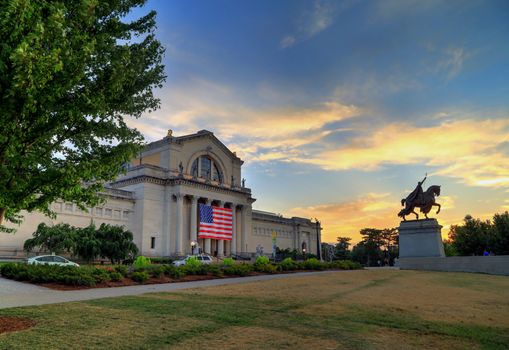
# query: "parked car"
{"type": "Point", "coordinates": [50, 260]}
{"type": "Point", "coordinates": [203, 258]}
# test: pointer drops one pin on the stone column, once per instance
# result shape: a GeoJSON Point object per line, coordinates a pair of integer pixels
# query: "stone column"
{"type": "Point", "coordinates": [233, 245]}
{"type": "Point", "coordinates": [220, 242]}
{"type": "Point", "coordinates": [180, 224]}
{"type": "Point", "coordinates": [194, 227]}
{"type": "Point", "coordinates": [244, 229]}
{"type": "Point", "coordinates": [167, 223]}
{"type": "Point", "coordinates": [207, 247]}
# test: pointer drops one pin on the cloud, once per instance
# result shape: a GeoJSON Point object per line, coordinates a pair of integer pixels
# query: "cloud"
{"type": "Point", "coordinates": [453, 61]}
{"type": "Point", "coordinates": [287, 41]}
{"type": "Point", "coordinates": [312, 22]}
{"type": "Point", "coordinates": [464, 149]}
{"type": "Point", "coordinates": [348, 218]}
{"type": "Point", "coordinates": [257, 133]}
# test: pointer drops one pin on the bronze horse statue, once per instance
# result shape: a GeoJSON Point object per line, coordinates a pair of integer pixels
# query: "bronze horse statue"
{"type": "Point", "coordinates": [419, 199]}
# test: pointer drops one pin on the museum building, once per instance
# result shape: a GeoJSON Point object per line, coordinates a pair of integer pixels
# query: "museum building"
{"type": "Point", "coordinates": [158, 200]}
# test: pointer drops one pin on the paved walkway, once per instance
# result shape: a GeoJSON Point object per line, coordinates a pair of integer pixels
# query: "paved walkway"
{"type": "Point", "coordinates": [14, 294]}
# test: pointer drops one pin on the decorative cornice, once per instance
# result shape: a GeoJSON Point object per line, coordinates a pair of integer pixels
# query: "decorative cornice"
{"type": "Point", "coordinates": [181, 181]}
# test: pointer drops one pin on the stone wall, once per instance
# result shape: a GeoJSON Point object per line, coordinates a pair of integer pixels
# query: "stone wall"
{"type": "Point", "coordinates": [495, 265]}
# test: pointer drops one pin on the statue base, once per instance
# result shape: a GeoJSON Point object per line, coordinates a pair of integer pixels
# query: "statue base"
{"type": "Point", "coordinates": [420, 238]}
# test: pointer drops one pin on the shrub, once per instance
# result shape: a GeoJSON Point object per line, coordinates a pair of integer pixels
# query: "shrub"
{"type": "Point", "coordinates": [313, 264]}
{"type": "Point", "coordinates": [99, 275]}
{"type": "Point", "coordinates": [141, 261]}
{"type": "Point", "coordinates": [288, 264]}
{"type": "Point", "coordinates": [193, 261]}
{"type": "Point", "coordinates": [345, 265]}
{"type": "Point", "coordinates": [69, 275]}
{"type": "Point", "coordinates": [162, 261]}
{"type": "Point", "coordinates": [215, 270]}
{"type": "Point", "coordinates": [178, 272]}
{"type": "Point", "coordinates": [238, 270]}
{"type": "Point", "coordinates": [154, 270]}
{"type": "Point", "coordinates": [116, 276]}
{"type": "Point", "coordinates": [262, 260]}
{"type": "Point", "coordinates": [140, 277]}
{"type": "Point", "coordinates": [266, 268]}
{"type": "Point", "coordinates": [228, 262]}
{"type": "Point", "coordinates": [121, 269]}
{"type": "Point", "coordinates": [192, 269]}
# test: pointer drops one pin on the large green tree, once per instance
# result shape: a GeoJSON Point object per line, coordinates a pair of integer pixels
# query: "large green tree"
{"type": "Point", "coordinates": [70, 72]}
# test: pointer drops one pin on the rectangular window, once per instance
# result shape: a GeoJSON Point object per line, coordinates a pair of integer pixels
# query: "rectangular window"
{"type": "Point", "coordinates": [152, 242]}
{"type": "Point", "coordinates": [107, 212]}
{"type": "Point", "coordinates": [116, 214]}
{"type": "Point", "coordinates": [99, 211]}
{"type": "Point", "coordinates": [68, 207]}
{"type": "Point", "coordinates": [125, 214]}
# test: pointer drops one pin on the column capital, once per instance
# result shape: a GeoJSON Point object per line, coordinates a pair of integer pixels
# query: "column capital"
{"type": "Point", "coordinates": [194, 199]}
{"type": "Point", "coordinates": [179, 196]}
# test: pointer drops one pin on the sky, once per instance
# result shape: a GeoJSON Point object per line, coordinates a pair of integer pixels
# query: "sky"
{"type": "Point", "coordinates": [339, 108]}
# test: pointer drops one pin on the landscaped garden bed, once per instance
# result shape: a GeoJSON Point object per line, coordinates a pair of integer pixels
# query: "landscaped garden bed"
{"type": "Point", "coordinates": [143, 272]}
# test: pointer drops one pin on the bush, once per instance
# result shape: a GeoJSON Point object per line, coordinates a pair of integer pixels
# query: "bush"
{"type": "Point", "coordinates": [193, 269]}
{"type": "Point", "coordinates": [99, 275]}
{"type": "Point", "coordinates": [313, 264]}
{"type": "Point", "coordinates": [178, 272]}
{"type": "Point", "coordinates": [215, 270]}
{"type": "Point", "coordinates": [116, 276]}
{"type": "Point", "coordinates": [69, 275]}
{"type": "Point", "coordinates": [162, 261]}
{"type": "Point", "coordinates": [345, 265]}
{"type": "Point", "coordinates": [238, 270]}
{"type": "Point", "coordinates": [141, 262]}
{"type": "Point", "coordinates": [228, 262]}
{"type": "Point", "coordinates": [121, 269]}
{"type": "Point", "coordinates": [288, 264]}
{"type": "Point", "coordinates": [140, 277]}
{"type": "Point", "coordinates": [262, 260]}
{"type": "Point", "coordinates": [155, 271]}
{"type": "Point", "coordinates": [266, 268]}
{"type": "Point", "coordinates": [193, 261]}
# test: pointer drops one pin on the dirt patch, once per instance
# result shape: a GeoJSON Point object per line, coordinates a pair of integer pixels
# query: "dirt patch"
{"type": "Point", "coordinates": [14, 324]}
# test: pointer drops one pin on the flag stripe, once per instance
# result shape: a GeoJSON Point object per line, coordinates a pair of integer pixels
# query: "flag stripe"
{"type": "Point", "coordinates": [215, 222]}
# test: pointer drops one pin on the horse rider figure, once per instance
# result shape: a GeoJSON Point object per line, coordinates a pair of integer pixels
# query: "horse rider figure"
{"type": "Point", "coordinates": [418, 198]}
{"type": "Point", "coordinates": [415, 196]}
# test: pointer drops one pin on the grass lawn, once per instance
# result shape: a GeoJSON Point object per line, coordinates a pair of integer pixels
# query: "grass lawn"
{"type": "Point", "coordinates": [384, 309]}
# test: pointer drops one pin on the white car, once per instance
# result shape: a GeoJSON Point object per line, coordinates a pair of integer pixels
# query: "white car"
{"type": "Point", "coordinates": [203, 258]}
{"type": "Point", "coordinates": [50, 260]}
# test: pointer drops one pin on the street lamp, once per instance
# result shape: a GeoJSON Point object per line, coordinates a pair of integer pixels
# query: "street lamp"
{"type": "Point", "coordinates": [193, 244]}
{"type": "Point", "coordinates": [304, 253]}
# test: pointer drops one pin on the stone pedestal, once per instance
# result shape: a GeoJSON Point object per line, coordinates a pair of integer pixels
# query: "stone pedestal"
{"type": "Point", "coordinates": [420, 238]}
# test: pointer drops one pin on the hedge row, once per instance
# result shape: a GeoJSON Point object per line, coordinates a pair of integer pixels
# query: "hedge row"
{"type": "Point", "coordinates": [90, 276]}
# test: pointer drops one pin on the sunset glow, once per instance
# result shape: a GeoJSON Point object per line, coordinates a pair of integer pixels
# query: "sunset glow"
{"type": "Point", "coordinates": [338, 108]}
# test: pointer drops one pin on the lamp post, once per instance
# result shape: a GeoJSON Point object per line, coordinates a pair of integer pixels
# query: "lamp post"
{"type": "Point", "coordinates": [193, 244]}
{"type": "Point", "coordinates": [304, 253]}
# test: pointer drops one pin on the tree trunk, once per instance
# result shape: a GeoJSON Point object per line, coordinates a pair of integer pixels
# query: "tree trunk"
{"type": "Point", "coordinates": [2, 215]}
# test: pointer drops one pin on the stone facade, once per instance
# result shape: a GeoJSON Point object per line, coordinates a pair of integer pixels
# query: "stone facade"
{"type": "Point", "coordinates": [157, 199]}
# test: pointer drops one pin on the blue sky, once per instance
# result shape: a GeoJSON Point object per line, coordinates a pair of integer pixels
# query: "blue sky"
{"type": "Point", "coordinates": [339, 107]}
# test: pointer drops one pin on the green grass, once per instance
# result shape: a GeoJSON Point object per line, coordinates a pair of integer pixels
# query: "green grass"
{"type": "Point", "coordinates": [344, 310]}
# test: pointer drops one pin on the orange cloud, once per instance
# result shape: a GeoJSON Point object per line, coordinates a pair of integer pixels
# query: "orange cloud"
{"type": "Point", "coordinates": [348, 218]}
{"type": "Point", "coordinates": [465, 149]}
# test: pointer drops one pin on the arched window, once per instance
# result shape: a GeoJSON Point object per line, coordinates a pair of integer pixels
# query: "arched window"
{"type": "Point", "coordinates": [206, 168]}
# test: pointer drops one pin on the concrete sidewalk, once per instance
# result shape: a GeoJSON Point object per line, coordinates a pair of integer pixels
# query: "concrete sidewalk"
{"type": "Point", "coordinates": [14, 294]}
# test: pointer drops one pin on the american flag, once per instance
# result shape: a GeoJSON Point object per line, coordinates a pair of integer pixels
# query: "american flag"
{"type": "Point", "coordinates": [215, 223]}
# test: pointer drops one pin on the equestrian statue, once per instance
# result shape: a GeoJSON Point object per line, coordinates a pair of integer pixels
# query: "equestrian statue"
{"type": "Point", "coordinates": [420, 199]}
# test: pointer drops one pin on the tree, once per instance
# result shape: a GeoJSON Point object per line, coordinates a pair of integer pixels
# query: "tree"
{"type": "Point", "coordinates": [70, 71]}
{"type": "Point", "coordinates": [501, 232]}
{"type": "Point", "coordinates": [116, 244]}
{"type": "Point", "coordinates": [57, 239]}
{"type": "Point", "coordinates": [341, 249]}
{"type": "Point", "coordinates": [88, 246]}
{"type": "Point", "coordinates": [88, 243]}
{"type": "Point", "coordinates": [473, 237]}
